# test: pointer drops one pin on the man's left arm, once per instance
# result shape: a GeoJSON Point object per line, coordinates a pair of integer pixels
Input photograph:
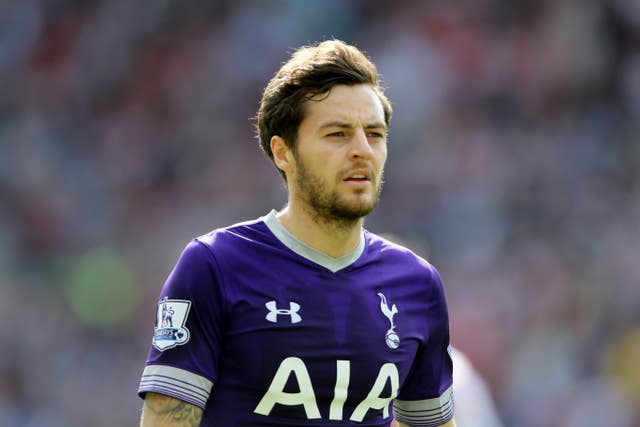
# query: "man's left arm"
{"type": "Point", "coordinates": [426, 396]}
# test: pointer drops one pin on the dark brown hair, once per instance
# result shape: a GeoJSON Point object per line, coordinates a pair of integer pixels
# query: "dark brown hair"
{"type": "Point", "coordinates": [311, 71]}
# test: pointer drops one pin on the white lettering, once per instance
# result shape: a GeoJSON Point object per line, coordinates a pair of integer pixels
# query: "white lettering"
{"type": "Point", "coordinates": [343, 372]}
{"type": "Point", "coordinates": [388, 372]}
{"type": "Point", "coordinates": [276, 393]}
{"type": "Point", "coordinates": [306, 395]}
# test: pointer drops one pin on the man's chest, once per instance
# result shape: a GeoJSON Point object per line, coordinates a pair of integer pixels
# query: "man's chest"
{"type": "Point", "coordinates": [355, 316]}
{"type": "Point", "coordinates": [319, 345]}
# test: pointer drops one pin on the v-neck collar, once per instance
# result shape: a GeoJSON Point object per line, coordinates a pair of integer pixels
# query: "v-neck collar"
{"type": "Point", "coordinates": [306, 251]}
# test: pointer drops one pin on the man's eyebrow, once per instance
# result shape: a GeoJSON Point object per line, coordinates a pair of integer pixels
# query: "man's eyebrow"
{"type": "Point", "coordinates": [376, 125]}
{"type": "Point", "coordinates": [345, 125]}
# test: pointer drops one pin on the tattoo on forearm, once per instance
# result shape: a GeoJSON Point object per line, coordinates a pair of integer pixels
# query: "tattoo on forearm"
{"type": "Point", "coordinates": [173, 412]}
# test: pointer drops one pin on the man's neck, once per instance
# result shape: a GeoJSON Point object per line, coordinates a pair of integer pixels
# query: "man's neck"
{"type": "Point", "coordinates": [332, 237]}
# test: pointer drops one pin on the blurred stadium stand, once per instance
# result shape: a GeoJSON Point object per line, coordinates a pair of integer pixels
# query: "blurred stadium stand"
{"type": "Point", "coordinates": [126, 129]}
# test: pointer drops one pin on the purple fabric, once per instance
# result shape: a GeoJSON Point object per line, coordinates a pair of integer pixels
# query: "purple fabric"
{"type": "Point", "coordinates": [241, 282]}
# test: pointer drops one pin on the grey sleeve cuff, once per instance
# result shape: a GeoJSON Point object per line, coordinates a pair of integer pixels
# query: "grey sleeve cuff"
{"type": "Point", "coordinates": [175, 382]}
{"type": "Point", "coordinates": [425, 413]}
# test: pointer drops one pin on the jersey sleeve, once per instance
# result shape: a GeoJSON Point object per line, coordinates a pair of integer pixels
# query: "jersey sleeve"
{"type": "Point", "coordinates": [426, 397]}
{"type": "Point", "coordinates": [186, 343]}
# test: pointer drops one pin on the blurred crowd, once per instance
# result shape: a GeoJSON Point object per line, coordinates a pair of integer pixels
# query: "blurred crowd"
{"type": "Point", "coordinates": [126, 128]}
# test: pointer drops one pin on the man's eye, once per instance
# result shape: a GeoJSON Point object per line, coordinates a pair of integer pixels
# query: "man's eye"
{"type": "Point", "coordinates": [375, 135]}
{"type": "Point", "coordinates": [337, 134]}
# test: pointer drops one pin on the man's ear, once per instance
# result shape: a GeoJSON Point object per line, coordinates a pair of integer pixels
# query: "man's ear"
{"type": "Point", "coordinates": [282, 155]}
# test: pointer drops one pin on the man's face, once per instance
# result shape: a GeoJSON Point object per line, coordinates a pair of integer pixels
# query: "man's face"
{"type": "Point", "coordinates": [340, 153]}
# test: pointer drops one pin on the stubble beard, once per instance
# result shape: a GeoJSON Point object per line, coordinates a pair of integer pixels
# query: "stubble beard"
{"type": "Point", "coordinates": [328, 206]}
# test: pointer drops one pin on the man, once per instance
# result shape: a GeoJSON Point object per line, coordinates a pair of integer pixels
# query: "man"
{"type": "Point", "coordinates": [302, 317]}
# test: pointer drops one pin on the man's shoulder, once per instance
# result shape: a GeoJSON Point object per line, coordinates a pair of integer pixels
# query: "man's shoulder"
{"type": "Point", "coordinates": [392, 247]}
{"type": "Point", "coordinates": [235, 234]}
{"type": "Point", "coordinates": [391, 255]}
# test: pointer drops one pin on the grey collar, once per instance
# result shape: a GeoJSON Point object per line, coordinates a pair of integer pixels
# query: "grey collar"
{"type": "Point", "coordinates": [306, 251]}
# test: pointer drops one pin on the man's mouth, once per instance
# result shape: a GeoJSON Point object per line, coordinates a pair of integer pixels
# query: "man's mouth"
{"type": "Point", "coordinates": [359, 175]}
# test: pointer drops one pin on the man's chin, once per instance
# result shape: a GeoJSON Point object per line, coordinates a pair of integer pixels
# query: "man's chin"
{"type": "Point", "coordinates": [354, 210]}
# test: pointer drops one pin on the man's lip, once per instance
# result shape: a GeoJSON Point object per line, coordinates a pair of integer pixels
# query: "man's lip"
{"type": "Point", "coordinates": [365, 173]}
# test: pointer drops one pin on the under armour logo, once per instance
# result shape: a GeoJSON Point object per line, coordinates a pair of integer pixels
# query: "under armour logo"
{"type": "Point", "coordinates": [274, 311]}
{"type": "Point", "coordinates": [392, 339]}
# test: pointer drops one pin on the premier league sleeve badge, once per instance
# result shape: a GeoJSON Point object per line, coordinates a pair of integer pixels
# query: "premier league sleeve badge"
{"type": "Point", "coordinates": [170, 330]}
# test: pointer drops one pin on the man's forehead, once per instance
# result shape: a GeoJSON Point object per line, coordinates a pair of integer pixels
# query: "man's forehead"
{"type": "Point", "coordinates": [347, 105]}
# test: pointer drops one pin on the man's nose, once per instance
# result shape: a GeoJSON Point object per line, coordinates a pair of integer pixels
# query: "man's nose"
{"type": "Point", "coordinates": [360, 146]}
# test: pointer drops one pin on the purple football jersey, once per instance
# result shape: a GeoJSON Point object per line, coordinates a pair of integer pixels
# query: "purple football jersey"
{"type": "Point", "coordinates": [259, 329]}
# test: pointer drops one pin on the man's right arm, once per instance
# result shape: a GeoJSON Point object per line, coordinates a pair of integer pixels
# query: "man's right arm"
{"type": "Point", "coordinates": [164, 411]}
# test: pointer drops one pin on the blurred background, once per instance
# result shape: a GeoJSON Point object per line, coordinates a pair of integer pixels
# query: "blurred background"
{"type": "Point", "coordinates": [126, 129]}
